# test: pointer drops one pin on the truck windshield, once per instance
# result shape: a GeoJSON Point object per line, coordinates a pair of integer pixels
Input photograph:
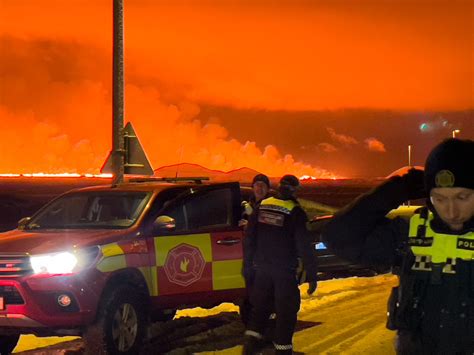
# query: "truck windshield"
{"type": "Point", "coordinates": [94, 210]}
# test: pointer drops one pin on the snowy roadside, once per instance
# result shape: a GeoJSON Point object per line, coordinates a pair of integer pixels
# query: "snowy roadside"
{"type": "Point", "coordinates": [345, 316]}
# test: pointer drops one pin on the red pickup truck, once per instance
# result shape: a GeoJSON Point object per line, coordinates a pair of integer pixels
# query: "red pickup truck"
{"type": "Point", "coordinates": [102, 262]}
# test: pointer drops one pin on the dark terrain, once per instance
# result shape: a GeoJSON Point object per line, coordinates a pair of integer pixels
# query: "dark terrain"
{"type": "Point", "coordinates": [22, 196]}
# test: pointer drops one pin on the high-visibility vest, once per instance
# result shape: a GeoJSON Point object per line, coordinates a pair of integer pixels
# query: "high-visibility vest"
{"type": "Point", "coordinates": [275, 204]}
{"type": "Point", "coordinates": [437, 249]}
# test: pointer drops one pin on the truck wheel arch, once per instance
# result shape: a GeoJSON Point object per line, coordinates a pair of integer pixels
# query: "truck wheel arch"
{"type": "Point", "coordinates": [121, 322]}
{"type": "Point", "coordinates": [131, 277]}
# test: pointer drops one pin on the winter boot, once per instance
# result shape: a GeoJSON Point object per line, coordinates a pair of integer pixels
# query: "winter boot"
{"type": "Point", "coordinates": [252, 345]}
{"type": "Point", "coordinates": [284, 352]}
{"type": "Point", "coordinates": [283, 349]}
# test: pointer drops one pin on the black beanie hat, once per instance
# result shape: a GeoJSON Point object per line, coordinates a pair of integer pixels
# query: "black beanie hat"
{"type": "Point", "coordinates": [450, 164]}
{"type": "Point", "coordinates": [288, 186]}
{"type": "Point", "coordinates": [261, 177]}
{"type": "Point", "coordinates": [290, 180]}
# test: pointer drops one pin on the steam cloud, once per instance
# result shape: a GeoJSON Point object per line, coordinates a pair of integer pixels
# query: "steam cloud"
{"type": "Point", "coordinates": [327, 147]}
{"type": "Point", "coordinates": [55, 74]}
{"type": "Point", "coordinates": [58, 117]}
{"type": "Point", "coordinates": [374, 145]}
{"type": "Point", "coordinates": [341, 138]}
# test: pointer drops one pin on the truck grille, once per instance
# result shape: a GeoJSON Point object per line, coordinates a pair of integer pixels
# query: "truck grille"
{"type": "Point", "coordinates": [14, 266]}
{"type": "Point", "coordinates": [11, 295]}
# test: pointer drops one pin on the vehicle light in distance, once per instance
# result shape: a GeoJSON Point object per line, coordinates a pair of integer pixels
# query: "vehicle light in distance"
{"type": "Point", "coordinates": [320, 246]}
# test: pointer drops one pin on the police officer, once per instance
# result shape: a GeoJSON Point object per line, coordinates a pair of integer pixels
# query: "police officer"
{"type": "Point", "coordinates": [276, 236]}
{"type": "Point", "coordinates": [432, 309]}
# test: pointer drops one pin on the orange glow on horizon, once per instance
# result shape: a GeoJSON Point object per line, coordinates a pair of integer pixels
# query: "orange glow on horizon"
{"type": "Point", "coordinates": [304, 178]}
{"type": "Point", "coordinates": [307, 178]}
{"type": "Point", "coordinates": [61, 175]}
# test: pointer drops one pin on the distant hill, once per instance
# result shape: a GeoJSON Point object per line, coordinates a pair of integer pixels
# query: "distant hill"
{"type": "Point", "coordinates": [242, 174]}
{"type": "Point", "coordinates": [195, 170]}
{"type": "Point", "coordinates": [403, 170]}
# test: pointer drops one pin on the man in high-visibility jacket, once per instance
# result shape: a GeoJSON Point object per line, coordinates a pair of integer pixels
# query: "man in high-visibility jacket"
{"type": "Point", "coordinates": [432, 309]}
{"type": "Point", "coordinates": [276, 236]}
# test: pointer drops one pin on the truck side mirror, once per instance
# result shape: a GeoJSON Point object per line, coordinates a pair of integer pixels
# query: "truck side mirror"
{"type": "Point", "coordinates": [164, 223]}
{"type": "Point", "coordinates": [23, 222]}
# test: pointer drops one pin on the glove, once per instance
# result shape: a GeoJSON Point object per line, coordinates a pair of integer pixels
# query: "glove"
{"type": "Point", "coordinates": [414, 182]}
{"type": "Point", "coordinates": [313, 285]}
{"type": "Point", "coordinates": [247, 207]}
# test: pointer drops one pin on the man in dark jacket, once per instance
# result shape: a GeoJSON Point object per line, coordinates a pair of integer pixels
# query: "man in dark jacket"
{"type": "Point", "coordinates": [432, 309]}
{"type": "Point", "coordinates": [276, 236]}
{"type": "Point", "coordinates": [260, 189]}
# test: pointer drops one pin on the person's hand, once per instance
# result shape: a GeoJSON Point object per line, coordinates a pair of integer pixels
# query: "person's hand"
{"type": "Point", "coordinates": [414, 181]}
{"type": "Point", "coordinates": [247, 208]}
{"type": "Point", "coordinates": [313, 285]}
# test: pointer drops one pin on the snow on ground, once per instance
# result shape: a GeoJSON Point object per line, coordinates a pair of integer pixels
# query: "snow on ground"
{"type": "Point", "coordinates": [29, 342]}
{"type": "Point", "coordinates": [345, 316]}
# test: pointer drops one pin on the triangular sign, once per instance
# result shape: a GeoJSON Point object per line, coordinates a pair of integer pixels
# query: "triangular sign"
{"type": "Point", "coordinates": [135, 159]}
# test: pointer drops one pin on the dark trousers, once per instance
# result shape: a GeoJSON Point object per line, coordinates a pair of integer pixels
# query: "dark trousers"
{"type": "Point", "coordinates": [281, 287]}
{"type": "Point", "coordinates": [408, 343]}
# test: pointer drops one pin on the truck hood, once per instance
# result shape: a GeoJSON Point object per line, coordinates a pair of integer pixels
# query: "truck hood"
{"type": "Point", "coordinates": [49, 241]}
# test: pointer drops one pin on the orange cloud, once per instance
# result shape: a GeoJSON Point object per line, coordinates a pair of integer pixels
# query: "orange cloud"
{"type": "Point", "coordinates": [327, 147]}
{"type": "Point", "coordinates": [341, 138]}
{"type": "Point", "coordinates": [374, 145]}
{"type": "Point", "coordinates": [58, 119]}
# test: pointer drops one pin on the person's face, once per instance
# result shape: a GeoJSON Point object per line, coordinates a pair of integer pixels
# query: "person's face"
{"type": "Point", "coordinates": [260, 190]}
{"type": "Point", "coordinates": [455, 205]}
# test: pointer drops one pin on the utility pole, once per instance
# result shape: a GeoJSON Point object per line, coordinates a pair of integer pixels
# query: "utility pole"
{"type": "Point", "coordinates": [117, 94]}
{"type": "Point", "coordinates": [409, 165]}
{"type": "Point", "coordinates": [409, 155]}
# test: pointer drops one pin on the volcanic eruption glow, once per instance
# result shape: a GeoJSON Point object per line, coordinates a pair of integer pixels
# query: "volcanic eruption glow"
{"type": "Point", "coordinates": [182, 57]}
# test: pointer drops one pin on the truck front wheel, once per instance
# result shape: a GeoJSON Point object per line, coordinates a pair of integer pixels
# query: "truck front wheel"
{"type": "Point", "coordinates": [121, 324]}
{"type": "Point", "coordinates": [8, 343]}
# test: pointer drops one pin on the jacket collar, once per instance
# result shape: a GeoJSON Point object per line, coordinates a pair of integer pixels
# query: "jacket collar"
{"type": "Point", "coordinates": [439, 226]}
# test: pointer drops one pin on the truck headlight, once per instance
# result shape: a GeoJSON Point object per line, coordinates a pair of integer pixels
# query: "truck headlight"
{"type": "Point", "coordinates": [57, 263]}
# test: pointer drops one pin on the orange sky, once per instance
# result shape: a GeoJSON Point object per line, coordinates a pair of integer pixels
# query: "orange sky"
{"type": "Point", "coordinates": [183, 55]}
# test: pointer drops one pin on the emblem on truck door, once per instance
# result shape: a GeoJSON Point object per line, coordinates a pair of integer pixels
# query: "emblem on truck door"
{"type": "Point", "coordinates": [184, 264]}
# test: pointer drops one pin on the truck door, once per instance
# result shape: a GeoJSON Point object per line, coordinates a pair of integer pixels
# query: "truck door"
{"type": "Point", "coordinates": [203, 252]}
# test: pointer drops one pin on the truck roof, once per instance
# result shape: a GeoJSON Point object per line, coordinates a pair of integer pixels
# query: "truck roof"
{"type": "Point", "coordinates": [149, 184]}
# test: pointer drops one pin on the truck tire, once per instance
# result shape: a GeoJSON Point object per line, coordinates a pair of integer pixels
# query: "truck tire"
{"type": "Point", "coordinates": [8, 343]}
{"type": "Point", "coordinates": [121, 323]}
